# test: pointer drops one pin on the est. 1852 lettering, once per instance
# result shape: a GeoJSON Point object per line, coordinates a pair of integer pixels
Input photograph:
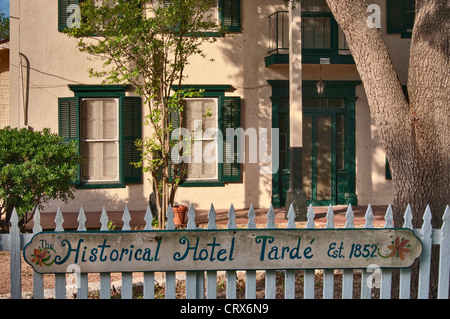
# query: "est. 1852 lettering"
{"type": "Point", "coordinates": [336, 250]}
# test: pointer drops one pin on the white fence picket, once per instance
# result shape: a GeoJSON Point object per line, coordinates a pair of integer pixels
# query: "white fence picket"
{"type": "Point", "coordinates": [127, 277]}
{"type": "Point", "coordinates": [444, 267]}
{"type": "Point", "coordinates": [250, 275]}
{"type": "Point", "coordinates": [105, 278]}
{"type": "Point", "coordinates": [425, 258]}
{"type": "Point", "coordinates": [149, 276]}
{"type": "Point", "coordinates": [231, 276]}
{"type": "Point", "coordinates": [271, 275]}
{"type": "Point", "coordinates": [328, 274]}
{"type": "Point", "coordinates": [170, 275]}
{"type": "Point", "coordinates": [309, 274]}
{"type": "Point", "coordinates": [81, 279]}
{"type": "Point", "coordinates": [347, 274]}
{"type": "Point", "coordinates": [60, 279]}
{"type": "Point", "coordinates": [366, 287]}
{"type": "Point", "coordinates": [289, 280]}
{"type": "Point", "coordinates": [405, 274]}
{"type": "Point", "coordinates": [211, 276]}
{"type": "Point", "coordinates": [38, 279]}
{"type": "Point", "coordinates": [193, 278]}
{"type": "Point", "coordinates": [15, 257]}
{"type": "Point", "coordinates": [386, 274]}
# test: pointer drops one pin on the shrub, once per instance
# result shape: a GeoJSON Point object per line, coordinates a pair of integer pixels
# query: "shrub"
{"type": "Point", "coordinates": [35, 167]}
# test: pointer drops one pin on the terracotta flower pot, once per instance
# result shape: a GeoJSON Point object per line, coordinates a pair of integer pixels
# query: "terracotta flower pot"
{"type": "Point", "coordinates": [179, 213]}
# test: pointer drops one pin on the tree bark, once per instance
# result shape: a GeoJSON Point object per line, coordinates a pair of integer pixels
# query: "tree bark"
{"type": "Point", "coordinates": [415, 134]}
{"type": "Point", "coordinates": [428, 89]}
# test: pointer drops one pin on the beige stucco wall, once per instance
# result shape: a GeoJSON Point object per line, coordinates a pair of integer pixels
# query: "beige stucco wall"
{"type": "Point", "coordinates": [4, 87]}
{"type": "Point", "coordinates": [55, 62]}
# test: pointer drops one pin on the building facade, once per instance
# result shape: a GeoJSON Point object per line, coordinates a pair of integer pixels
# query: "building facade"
{"type": "Point", "coordinates": [247, 83]}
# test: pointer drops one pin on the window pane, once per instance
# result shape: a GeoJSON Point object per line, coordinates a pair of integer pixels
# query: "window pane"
{"type": "Point", "coordinates": [100, 162]}
{"type": "Point", "coordinates": [99, 119]}
{"type": "Point", "coordinates": [306, 156]}
{"type": "Point", "coordinates": [212, 14]}
{"type": "Point", "coordinates": [323, 158]}
{"type": "Point", "coordinates": [307, 102]}
{"type": "Point", "coordinates": [316, 32]}
{"type": "Point", "coordinates": [109, 161]}
{"type": "Point", "coordinates": [110, 119]}
{"type": "Point", "coordinates": [207, 169]}
{"type": "Point", "coordinates": [204, 110]}
{"type": "Point", "coordinates": [315, 6]}
{"type": "Point", "coordinates": [340, 141]}
{"type": "Point", "coordinates": [336, 103]}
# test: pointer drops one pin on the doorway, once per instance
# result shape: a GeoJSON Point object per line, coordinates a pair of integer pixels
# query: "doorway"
{"type": "Point", "coordinates": [328, 153]}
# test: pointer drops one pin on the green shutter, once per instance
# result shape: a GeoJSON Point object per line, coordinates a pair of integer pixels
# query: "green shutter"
{"type": "Point", "coordinates": [230, 13]}
{"type": "Point", "coordinates": [400, 16]}
{"type": "Point", "coordinates": [231, 118]}
{"type": "Point", "coordinates": [68, 122]}
{"type": "Point", "coordinates": [132, 130]}
{"type": "Point", "coordinates": [63, 14]}
{"type": "Point", "coordinates": [175, 122]}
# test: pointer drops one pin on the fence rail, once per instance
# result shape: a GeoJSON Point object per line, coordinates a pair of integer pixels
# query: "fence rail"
{"type": "Point", "coordinates": [201, 284]}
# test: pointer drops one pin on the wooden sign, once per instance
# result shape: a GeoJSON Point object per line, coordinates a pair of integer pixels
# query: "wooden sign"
{"type": "Point", "coordinates": [131, 251]}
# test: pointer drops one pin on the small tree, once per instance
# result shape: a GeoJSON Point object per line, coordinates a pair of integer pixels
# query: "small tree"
{"type": "Point", "coordinates": [35, 167]}
{"type": "Point", "coordinates": [4, 26]}
{"type": "Point", "coordinates": [148, 44]}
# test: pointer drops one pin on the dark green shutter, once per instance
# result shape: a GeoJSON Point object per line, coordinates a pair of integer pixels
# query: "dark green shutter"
{"type": "Point", "coordinates": [231, 118]}
{"type": "Point", "coordinates": [230, 11]}
{"type": "Point", "coordinates": [400, 16]}
{"type": "Point", "coordinates": [68, 122]}
{"type": "Point", "coordinates": [132, 130]}
{"type": "Point", "coordinates": [63, 14]}
{"type": "Point", "coordinates": [175, 135]}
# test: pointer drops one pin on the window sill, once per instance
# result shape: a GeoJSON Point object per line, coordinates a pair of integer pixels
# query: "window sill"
{"type": "Point", "coordinates": [88, 185]}
{"type": "Point", "coordinates": [202, 184]}
{"type": "Point", "coordinates": [283, 58]}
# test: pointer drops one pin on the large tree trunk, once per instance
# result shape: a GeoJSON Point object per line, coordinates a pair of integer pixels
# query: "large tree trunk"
{"type": "Point", "coordinates": [429, 94]}
{"type": "Point", "coordinates": [415, 133]}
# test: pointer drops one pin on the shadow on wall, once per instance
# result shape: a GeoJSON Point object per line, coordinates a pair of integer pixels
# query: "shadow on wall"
{"type": "Point", "coordinates": [244, 52]}
{"type": "Point", "coordinates": [371, 183]}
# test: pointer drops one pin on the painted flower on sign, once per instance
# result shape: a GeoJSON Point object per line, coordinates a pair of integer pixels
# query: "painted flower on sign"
{"type": "Point", "coordinates": [398, 248]}
{"type": "Point", "coordinates": [41, 256]}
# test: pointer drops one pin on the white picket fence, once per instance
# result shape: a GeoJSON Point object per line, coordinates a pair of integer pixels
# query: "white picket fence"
{"type": "Point", "coordinates": [196, 285]}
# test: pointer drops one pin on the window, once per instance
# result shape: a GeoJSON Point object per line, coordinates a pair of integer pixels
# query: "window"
{"type": "Point", "coordinates": [316, 25]}
{"type": "Point", "coordinates": [105, 124]}
{"type": "Point", "coordinates": [230, 15]}
{"type": "Point", "coordinates": [400, 17]}
{"type": "Point", "coordinates": [227, 13]}
{"type": "Point", "coordinates": [100, 139]}
{"type": "Point", "coordinates": [64, 12]}
{"type": "Point", "coordinates": [319, 29]}
{"type": "Point", "coordinates": [218, 161]}
{"type": "Point", "coordinates": [204, 158]}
